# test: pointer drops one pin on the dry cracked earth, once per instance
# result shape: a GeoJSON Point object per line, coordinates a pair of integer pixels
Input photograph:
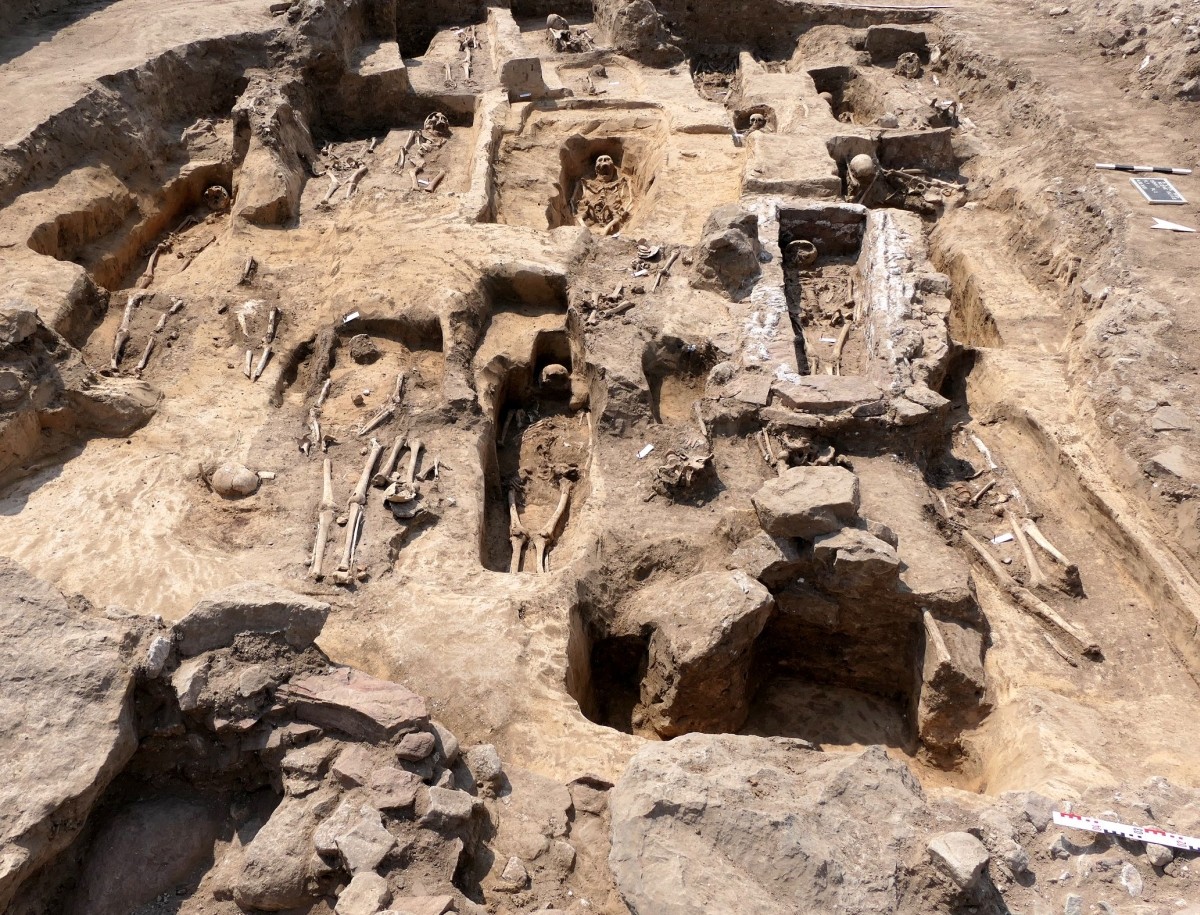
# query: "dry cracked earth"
{"type": "Point", "coordinates": [597, 457]}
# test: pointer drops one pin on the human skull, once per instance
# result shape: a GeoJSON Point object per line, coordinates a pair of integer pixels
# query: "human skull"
{"type": "Point", "coordinates": [758, 122]}
{"type": "Point", "coordinates": [862, 167]}
{"type": "Point", "coordinates": [217, 198]}
{"type": "Point", "coordinates": [437, 123]}
{"type": "Point", "coordinates": [605, 167]}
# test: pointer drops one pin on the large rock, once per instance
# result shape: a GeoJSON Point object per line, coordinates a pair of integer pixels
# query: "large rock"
{"type": "Point", "coordinates": [728, 256]}
{"type": "Point", "coordinates": [250, 607]}
{"type": "Point", "coordinates": [354, 703]}
{"type": "Point", "coordinates": [807, 501]}
{"type": "Point", "coordinates": [961, 857]}
{"type": "Point", "coordinates": [128, 863]}
{"type": "Point", "coordinates": [636, 29]}
{"type": "Point", "coordinates": [701, 650]}
{"type": "Point", "coordinates": [722, 824]}
{"type": "Point", "coordinates": [66, 721]}
{"type": "Point", "coordinates": [274, 873]}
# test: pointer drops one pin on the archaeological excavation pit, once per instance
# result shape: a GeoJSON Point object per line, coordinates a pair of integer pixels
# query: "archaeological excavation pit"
{"type": "Point", "coordinates": [537, 456]}
{"type": "Point", "coordinates": [594, 457]}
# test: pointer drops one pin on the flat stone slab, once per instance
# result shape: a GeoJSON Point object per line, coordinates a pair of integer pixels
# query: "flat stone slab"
{"type": "Point", "coordinates": [252, 606]}
{"type": "Point", "coordinates": [825, 393]}
{"type": "Point", "coordinates": [354, 703]}
{"type": "Point", "coordinates": [806, 502]}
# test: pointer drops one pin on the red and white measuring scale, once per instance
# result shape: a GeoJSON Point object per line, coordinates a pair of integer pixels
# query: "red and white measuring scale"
{"type": "Point", "coordinates": [1137, 833]}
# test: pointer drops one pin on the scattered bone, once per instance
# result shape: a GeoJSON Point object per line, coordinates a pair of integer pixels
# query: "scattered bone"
{"type": "Point", "coordinates": [414, 456]}
{"type": "Point", "coordinates": [983, 491]}
{"type": "Point", "coordinates": [388, 410]}
{"type": "Point", "coordinates": [334, 184]}
{"type": "Point", "coordinates": [1034, 606]}
{"type": "Point", "coordinates": [432, 184]}
{"type": "Point", "coordinates": [383, 475]}
{"type": "Point", "coordinates": [262, 363]}
{"type": "Point", "coordinates": [272, 325]}
{"type": "Point", "coordinates": [249, 367]}
{"type": "Point", "coordinates": [1040, 539]}
{"type": "Point", "coordinates": [1036, 578]}
{"type": "Point", "coordinates": [324, 520]}
{"type": "Point", "coordinates": [145, 360]}
{"type": "Point", "coordinates": [123, 330]}
{"type": "Point", "coordinates": [352, 185]}
{"type": "Point", "coordinates": [355, 508]}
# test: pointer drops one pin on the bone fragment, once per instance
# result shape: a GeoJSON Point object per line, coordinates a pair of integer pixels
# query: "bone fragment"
{"type": "Point", "coordinates": [1033, 605]}
{"type": "Point", "coordinates": [983, 449]}
{"type": "Point", "coordinates": [434, 182]}
{"type": "Point", "coordinates": [700, 421]}
{"type": "Point", "coordinates": [389, 463]}
{"type": "Point", "coordinates": [933, 638]}
{"type": "Point", "coordinates": [983, 491]}
{"type": "Point", "coordinates": [1036, 578]}
{"type": "Point", "coordinates": [324, 392]}
{"type": "Point", "coordinates": [545, 536]}
{"type": "Point", "coordinates": [249, 367]}
{"type": "Point", "coordinates": [324, 520]}
{"type": "Point", "coordinates": [388, 410]}
{"type": "Point", "coordinates": [123, 330]}
{"type": "Point", "coordinates": [262, 363]}
{"type": "Point", "coordinates": [1059, 650]}
{"type": "Point", "coordinates": [144, 361]}
{"type": "Point", "coordinates": [272, 325]}
{"type": "Point", "coordinates": [354, 179]}
{"type": "Point", "coordinates": [248, 271]}
{"type": "Point", "coordinates": [358, 499]}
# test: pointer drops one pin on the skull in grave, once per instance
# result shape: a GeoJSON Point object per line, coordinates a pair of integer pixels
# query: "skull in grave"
{"type": "Point", "coordinates": [437, 124]}
{"type": "Point", "coordinates": [606, 168]}
{"type": "Point", "coordinates": [758, 122]}
{"type": "Point", "coordinates": [217, 198]}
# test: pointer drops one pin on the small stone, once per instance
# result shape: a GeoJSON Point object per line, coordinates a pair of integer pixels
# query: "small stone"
{"type": "Point", "coordinates": [515, 876]}
{"type": "Point", "coordinates": [448, 809]}
{"type": "Point", "coordinates": [253, 680]}
{"type": "Point", "coordinates": [1159, 855]}
{"type": "Point", "coordinates": [234, 481]}
{"type": "Point", "coordinates": [366, 842]}
{"type": "Point", "coordinates": [1131, 879]}
{"type": "Point", "coordinates": [961, 856]}
{"type": "Point", "coordinates": [421, 905]}
{"type": "Point", "coordinates": [1169, 418]}
{"type": "Point", "coordinates": [1073, 905]}
{"type": "Point", "coordinates": [1059, 848]}
{"type": "Point", "coordinates": [416, 746]}
{"type": "Point", "coordinates": [156, 657]}
{"type": "Point", "coordinates": [447, 743]}
{"type": "Point", "coordinates": [484, 763]}
{"type": "Point", "coordinates": [392, 788]}
{"type": "Point", "coordinates": [1038, 810]}
{"type": "Point", "coordinates": [354, 766]}
{"type": "Point", "coordinates": [325, 838]}
{"type": "Point", "coordinates": [888, 121]}
{"type": "Point", "coordinates": [366, 895]}
{"type": "Point", "coordinates": [1016, 858]}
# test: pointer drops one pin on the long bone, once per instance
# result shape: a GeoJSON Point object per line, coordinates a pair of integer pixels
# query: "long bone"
{"type": "Point", "coordinates": [1036, 577]}
{"type": "Point", "coordinates": [518, 537]}
{"type": "Point", "coordinates": [1033, 605]}
{"type": "Point", "coordinates": [357, 500]}
{"type": "Point", "coordinates": [324, 520]}
{"type": "Point", "coordinates": [545, 535]}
